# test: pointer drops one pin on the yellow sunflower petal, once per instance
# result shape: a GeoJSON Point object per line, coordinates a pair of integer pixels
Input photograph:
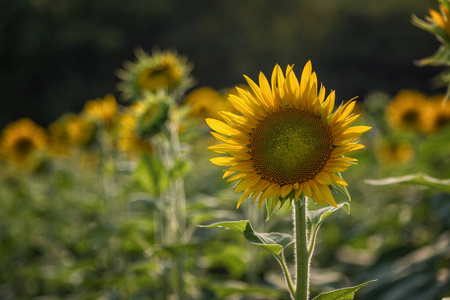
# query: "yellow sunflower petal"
{"type": "Point", "coordinates": [247, 183]}
{"type": "Point", "coordinates": [244, 195]}
{"type": "Point", "coordinates": [338, 180]}
{"type": "Point", "coordinates": [224, 161]}
{"type": "Point", "coordinates": [221, 127]}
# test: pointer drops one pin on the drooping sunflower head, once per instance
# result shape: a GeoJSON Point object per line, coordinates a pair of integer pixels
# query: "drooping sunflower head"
{"type": "Point", "coordinates": [286, 142]}
{"type": "Point", "coordinates": [141, 121]}
{"type": "Point", "coordinates": [22, 140]}
{"type": "Point", "coordinates": [103, 111]}
{"type": "Point", "coordinates": [409, 111]}
{"type": "Point", "coordinates": [150, 73]}
{"type": "Point", "coordinates": [152, 113]}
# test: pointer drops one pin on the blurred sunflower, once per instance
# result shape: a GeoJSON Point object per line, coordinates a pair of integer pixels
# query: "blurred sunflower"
{"type": "Point", "coordinates": [58, 135]}
{"type": "Point", "coordinates": [80, 131]}
{"type": "Point", "coordinates": [102, 110]}
{"type": "Point", "coordinates": [287, 141]}
{"type": "Point", "coordinates": [440, 114]}
{"type": "Point", "coordinates": [150, 73]}
{"type": "Point", "coordinates": [442, 18]}
{"type": "Point", "coordinates": [394, 153]}
{"type": "Point", "coordinates": [409, 110]}
{"type": "Point", "coordinates": [144, 119]}
{"type": "Point", "coordinates": [22, 140]}
{"type": "Point", "coordinates": [206, 102]}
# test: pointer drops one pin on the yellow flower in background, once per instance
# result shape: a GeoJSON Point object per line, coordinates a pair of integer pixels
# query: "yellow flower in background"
{"type": "Point", "coordinates": [102, 110]}
{"type": "Point", "coordinates": [206, 102]}
{"type": "Point", "coordinates": [202, 101]}
{"type": "Point", "coordinates": [442, 18]}
{"type": "Point", "coordinates": [409, 110]}
{"type": "Point", "coordinates": [21, 140]}
{"type": "Point", "coordinates": [440, 114]}
{"type": "Point", "coordinates": [396, 153]}
{"type": "Point", "coordinates": [58, 135]}
{"type": "Point", "coordinates": [80, 131]}
{"type": "Point", "coordinates": [150, 73]}
{"type": "Point", "coordinates": [287, 141]}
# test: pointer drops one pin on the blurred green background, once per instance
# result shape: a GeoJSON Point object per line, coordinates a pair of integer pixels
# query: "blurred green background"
{"type": "Point", "coordinates": [55, 54]}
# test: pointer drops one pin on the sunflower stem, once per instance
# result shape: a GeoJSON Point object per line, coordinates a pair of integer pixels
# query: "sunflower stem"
{"type": "Point", "coordinates": [302, 257]}
{"type": "Point", "coordinates": [280, 258]}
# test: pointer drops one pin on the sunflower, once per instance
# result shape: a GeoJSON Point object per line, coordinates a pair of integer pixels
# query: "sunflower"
{"type": "Point", "coordinates": [58, 135]}
{"type": "Point", "coordinates": [394, 153]}
{"type": "Point", "coordinates": [442, 18]}
{"type": "Point", "coordinates": [287, 142]}
{"type": "Point", "coordinates": [80, 131]}
{"type": "Point", "coordinates": [150, 73]}
{"type": "Point", "coordinates": [102, 110]}
{"type": "Point", "coordinates": [202, 102]}
{"type": "Point", "coordinates": [23, 139]}
{"type": "Point", "coordinates": [440, 114]}
{"type": "Point", "coordinates": [409, 110]}
{"type": "Point", "coordinates": [144, 119]}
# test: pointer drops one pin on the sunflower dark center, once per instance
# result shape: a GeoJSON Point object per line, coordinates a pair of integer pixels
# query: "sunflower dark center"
{"type": "Point", "coordinates": [290, 145]}
{"type": "Point", "coordinates": [442, 121]}
{"type": "Point", "coordinates": [23, 146]}
{"type": "Point", "coordinates": [410, 117]}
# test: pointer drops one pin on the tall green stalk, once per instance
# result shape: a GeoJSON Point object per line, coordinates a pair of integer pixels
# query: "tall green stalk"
{"type": "Point", "coordinates": [301, 250]}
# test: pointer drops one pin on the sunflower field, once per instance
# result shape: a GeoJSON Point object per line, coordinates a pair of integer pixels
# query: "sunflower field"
{"type": "Point", "coordinates": [229, 150]}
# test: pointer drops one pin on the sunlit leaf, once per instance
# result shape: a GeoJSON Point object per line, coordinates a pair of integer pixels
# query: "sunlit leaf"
{"type": "Point", "coordinates": [231, 225]}
{"type": "Point", "coordinates": [273, 242]}
{"type": "Point", "coordinates": [419, 178]}
{"type": "Point", "coordinates": [319, 215]}
{"type": "Point", "coordinates": [342, 294]}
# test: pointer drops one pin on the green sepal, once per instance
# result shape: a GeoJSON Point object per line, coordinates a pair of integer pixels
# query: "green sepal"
{"type": "Point", "coordinates": [274, 242]}
{"type": "Point", "coordinates": [440, 58]}
{"type": "Point", "coordinates": [432, 28]}
{"type": "Point", "coordinates": [151, 175]}
{"type": "Point", "coordinates": [342, 294]}
{"type": "Point", "coordinates": [319, 215]}
{"type": "Point", "coordinates": [270, 208]}
{"type": "Point", "coordinates": [419, 178]}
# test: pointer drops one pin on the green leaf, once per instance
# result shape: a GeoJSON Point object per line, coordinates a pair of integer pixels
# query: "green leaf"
{"type": "Point", "coordinates": [319, 215]}
{"type": "Point", "coordinates": [232, 287]}
{"type": "Point", "coordinates": [342, 294]}
{"type": "Point", "coordinates": [419, 178]}
{"type": "Point", "coordinates": [151, 175]}
{"type": "Point", "coordinates": [231, 225]}
{"type": "Point", "coordinates": [181, 168]}
{"type": "Point", "coordinates": [274, 242]}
